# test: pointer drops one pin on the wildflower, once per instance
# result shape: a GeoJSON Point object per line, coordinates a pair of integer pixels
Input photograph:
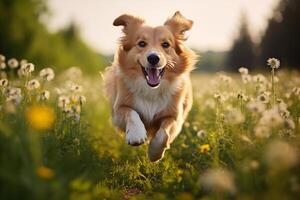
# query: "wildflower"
{"type": "Point", "coordinates": [13, 95]}
{"type": "Point", "coordinates": [259, 78]}
{"type": "Point", "coordinates": [243, 71]}
{"type": "Point", "coordinates": [13, 63]}
{"type": "Point", "coordinates": [195, 128]}
{"type": "Point", "coordinates": [3, 82]}
{"type": "Point", "coordinates": [271, 118]}
{"type": "Point", "coordinates": [256, 107]}
{"type": "Point", "coordinates": [82, 99]}
{"type": "Point", "coordinates": [76, 88]}
{"type": "Point", "coordinates": [45, 95]}
{"type": "Point", "coordinates": [23, 61]}
{"type": "Point", "coordinates": [263, 98]}
{"type": "Point", "coordinates": [27, 68]}
{"type": "Point", "coordinates": [254, 164]}
{"type": "Point", "coordinates": [210, 103]}
{"type": "Point", "coordinates": [63, 101]}
{"type": "Point", "coordinates": [224, 78]}
{"type": "Point", "coordinates": [242, 96]}
{"type": "Point", "coordinates": [281, 155]}
{"type": "Point", "coordinates": [33, 84]}
{"type": "Point", "coordinates": [204, 148]}
{"type": "Point", "coordinates": [45, 172]}
{"type": "Point", "coordinates": [235, 116]}
{"type": "Point", "coordinates": [40, 117]}
{"type": "Point", "coordinates": [2, 65]}
{"type": "Point", "coordinates": [218, 180]}
{"type": "Point", "coordinates": [2, 58]}
{"type": "Point", "coordinates": [186, 124]}
{"type": "Point", "coordinates": [47, 74]}
{"type": "Point", "coordinates": [201, 134]}
{"type": "Point", "coordinates": [273, 63]}
{"type": "Point", "coordinates": [219, 97]}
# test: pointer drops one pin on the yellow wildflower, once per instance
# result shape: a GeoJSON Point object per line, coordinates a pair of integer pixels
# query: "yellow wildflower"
{"type": "Point", "coordinates": [204, 148]}
{"type": "Point", "coordinates": [45, 172]}
{"type": "Point", "coordinates": [40, 117]}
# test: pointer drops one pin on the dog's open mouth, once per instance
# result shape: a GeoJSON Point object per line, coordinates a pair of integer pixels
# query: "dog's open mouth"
{"type": "Point", "coordinates": [153, 75]}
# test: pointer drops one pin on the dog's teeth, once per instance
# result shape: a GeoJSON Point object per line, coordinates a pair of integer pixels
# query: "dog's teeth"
{"type": "Point", "coordinates": [147, 77]}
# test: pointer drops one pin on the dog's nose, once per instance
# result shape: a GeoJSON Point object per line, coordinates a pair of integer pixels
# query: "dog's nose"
{"type": "Point", "coordinates": [153, 59]}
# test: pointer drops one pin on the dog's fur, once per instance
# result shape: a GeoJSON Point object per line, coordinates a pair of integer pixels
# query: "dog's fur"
{"type": "Point", "coordinates": [142, 111]}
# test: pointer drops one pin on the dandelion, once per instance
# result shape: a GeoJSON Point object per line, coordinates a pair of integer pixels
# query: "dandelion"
{"type": "Point", "coordinates": [254, 164]}
{"type": "Point", "coordinates": [82, 99]}
{"type": "Point", "coordinates": [47, 74]}
{"type": "Point", "coordinates": [271, 118]}
{"type": "Point", "coordinates": [263, 98]}
{"type": "Point", "coordinates": [204, 148]}
{"type": "Point", "coordinates": [186, 124]}
{"type": "Point", "coordinates": [224, 78]}
{"type": "Point", "coordinates": [218, 180]}
{"type": "Point", "coordinates": [273, 63]}
{"type": "Point", "coordinates": [76, 88]}
{"type": "Point", "coordinates": [243, 71]}
{"type": "Point", "coordinates": [2, 65]}
{"type": "Point", "coordinates": [242, 96]}
{"type": "Point", "coordinates": [23, 61]}
{"type": "Point", "coordinates": [246, 78]}
{"type": "Point", "coordinates": [2, 58]}
{"type": "Point", "coordinates": [63, 101]}
{"type": "Point", "coordinates": [45, 95]}
{"type": "Point", "coordinates": [3, 82]}
{"type": "Point", "coordinates": [259, 78]}
{"type": "Point", "coordinates": [281, 155]}
{"type": "Point", "coordinates": [262, 131]}
{"type": "Point", "coordinates": [27, 68]}
{"type": "Point", "coordinates": [33, 84]}
{"type": "Point", "coordinates": [45, 172]}
{"type": "Point", "coordinates": [13, 63]}
{"type": "Point", "coordinates": [13, 95]}
{"type": "Point", "coordinates": [201, 134]}
{"type": "Point", "coordinates": [219, 97]}
{"type": "Point", "coordinates": [40, 117]}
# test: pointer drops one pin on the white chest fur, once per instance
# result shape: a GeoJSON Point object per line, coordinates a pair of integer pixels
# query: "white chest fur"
{"type": "Point", "coordinates": [149, 101]}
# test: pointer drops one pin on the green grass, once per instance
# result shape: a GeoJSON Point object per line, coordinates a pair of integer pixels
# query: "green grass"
{"type": "Point", "coordinates": [89, 159]}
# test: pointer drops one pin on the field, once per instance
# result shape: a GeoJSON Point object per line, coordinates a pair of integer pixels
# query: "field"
{"type": "Point", "coordinates": [241, 140]}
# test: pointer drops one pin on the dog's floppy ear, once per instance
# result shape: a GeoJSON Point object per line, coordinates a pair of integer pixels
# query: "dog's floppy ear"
{"type": "Point", "coordinates": [178, 25]}
{"type": "Point", "coordinates": [129, 22]}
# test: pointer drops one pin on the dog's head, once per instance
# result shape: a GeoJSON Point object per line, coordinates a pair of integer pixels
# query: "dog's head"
{"type": "Point", "coordinates": [154, 52]}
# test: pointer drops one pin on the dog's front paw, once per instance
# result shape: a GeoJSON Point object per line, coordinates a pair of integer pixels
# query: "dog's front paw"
{"type": "Point", "coordinates": [136, 133]}
{"type": "Point", "coordinates": [158, 145]}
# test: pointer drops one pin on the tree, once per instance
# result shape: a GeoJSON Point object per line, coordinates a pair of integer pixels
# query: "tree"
{"type": "Point", "coordinates": [242, 51]}
{"type": "Point", "coordinates": [281, 38]}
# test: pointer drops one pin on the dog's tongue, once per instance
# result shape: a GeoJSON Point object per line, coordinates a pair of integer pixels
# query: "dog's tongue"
{"type": "Point", "coordinates": [153, 75]}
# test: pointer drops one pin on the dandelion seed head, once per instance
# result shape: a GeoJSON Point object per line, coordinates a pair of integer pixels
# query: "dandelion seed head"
{"type": "Point", "coordinates": [47, 74]}
{"type": "Point", "coordinates": [27, 68]}
{"type": "Point", "coordinates": [262, 131]}
{"type": "Point", "coordinates": [263, 98]}
{"type": "Point", "coordinates": [243, 71]}
{"type": "Point", "coordinates": [201, 134]}
{"type": "Point", "coordinates": [273, 63]}
{"type": "Point", "coordinates": [2, 65]}
{"type": "Point", "coordinates": [3, 82]}
{"type": "Point", "coordinates": [45, 95]}
{"type": "Point", "coordinates": [76, 88]}
{"type": "Point", "coordinates": [33, 84]}
{"type": "Point", "coordinates": [235, 116]}
{"type": "Point", "coordinates": [246, 78]}
{"type": "Point", "coordinates": [63, 101]}
{"type": "Point", "coordinates": [256, 107]}
{"type": "Point", "coordinates": [13, 63]}
{"type": "Point", "coordinates": [2, 58]}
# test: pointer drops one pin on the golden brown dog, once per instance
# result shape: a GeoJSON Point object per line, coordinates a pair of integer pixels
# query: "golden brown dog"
{"type": "Point", "coordinates": [148, 84]}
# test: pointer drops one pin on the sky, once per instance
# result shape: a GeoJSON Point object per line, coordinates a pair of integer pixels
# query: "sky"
{"type": "Point", "coordinates": [216, 22]}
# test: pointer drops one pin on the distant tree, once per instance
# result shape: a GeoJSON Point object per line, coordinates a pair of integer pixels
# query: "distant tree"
{"type": "Point", "coordinates": [282, 36]}
{"type": "Point", "coordinates": [242, 51]}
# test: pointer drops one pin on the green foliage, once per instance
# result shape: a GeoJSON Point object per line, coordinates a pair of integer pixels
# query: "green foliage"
{"type": "Point", "coordinates": [24, 35]}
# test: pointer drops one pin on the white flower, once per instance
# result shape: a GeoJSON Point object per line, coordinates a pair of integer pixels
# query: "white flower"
{"type": "Point", "coordinates": [259, 78]}
{"type": "Point", "coordinates": [201, 134]}
{"type": "Point", "coordinates": [27, 68]}
{"type": "Point", "coordinates": [13, 95]}
{"type": "Point", "coordinates": [273, 63]}
{"type": "Point", "coordinates": [3, 82]}
{"type": "Point", "coordinates": [271, 118]}
{"type": "Point", "coordinates": [33, 84]}
{"type": "Point", "coordinates": [263, 98]}
{"type": "Point", "coordinates": [76, 88]}
{"type": "Point", "coordinates": [262, 131]}
{"type": "Point", "coordinates": [2, 58]}
{"type": "Point", "coordinates": [13, 63]}
{"type": "Point", "coordinates": [63, 101]}
{"type": "Point", "coordinates": [226, 79]}
{"type": "Point", "coordinates": [218, 180]}
{"type": "Point", "coordinates": [2, 65]}
{"type": "Point", "coordinates": [246, 78]}
{"type": "Point", "coordinates": [45, 95]}
{"type": "Point", "coordinates": [23, 61]}
{"type": "Point", "coordinates": [242, 96]}
{"type": "Point", "coordinates": [243, 71]}
{"type": "Point", "coordinates": [47, 74]}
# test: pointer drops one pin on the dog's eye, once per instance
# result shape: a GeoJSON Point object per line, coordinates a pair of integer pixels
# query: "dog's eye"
{"type": "Point", "coordinates": [165, 45]}
{"type": "Point", "coordinates": [142, 44]}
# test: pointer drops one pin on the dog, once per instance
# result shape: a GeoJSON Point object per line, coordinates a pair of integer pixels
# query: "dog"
{"type": "Point", "coordinates": [148, 84]}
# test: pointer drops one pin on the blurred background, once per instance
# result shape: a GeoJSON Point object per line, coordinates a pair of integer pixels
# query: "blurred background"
{"type": "Point", "coordinates": [227, 34]}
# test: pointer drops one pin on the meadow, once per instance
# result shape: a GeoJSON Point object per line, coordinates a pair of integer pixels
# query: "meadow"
{"type": "Point", "coordinates": [241, 139]}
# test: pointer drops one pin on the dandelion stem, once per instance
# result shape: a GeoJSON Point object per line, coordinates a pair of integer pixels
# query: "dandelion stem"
{"type": "Point", "coordinates": [273, 86]}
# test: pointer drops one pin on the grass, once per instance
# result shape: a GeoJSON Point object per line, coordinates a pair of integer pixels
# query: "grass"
{"type": "Point", "coordinates": [235, 144]}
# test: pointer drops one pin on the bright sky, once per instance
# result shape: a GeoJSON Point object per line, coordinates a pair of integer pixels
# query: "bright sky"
{"type": "Point", "coordinates": [215, 21]}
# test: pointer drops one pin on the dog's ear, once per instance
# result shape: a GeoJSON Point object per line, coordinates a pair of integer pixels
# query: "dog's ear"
{"type": "Point", "coordinates": [129, 22]}
{"type": "Point", "coordinates": [178, 25]}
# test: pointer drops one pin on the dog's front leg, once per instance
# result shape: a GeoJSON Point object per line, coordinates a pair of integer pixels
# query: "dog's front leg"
{"type": "Point", "coordinates": [129, 121]}
{"type": "Point", "coordinates": [169, 129]}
